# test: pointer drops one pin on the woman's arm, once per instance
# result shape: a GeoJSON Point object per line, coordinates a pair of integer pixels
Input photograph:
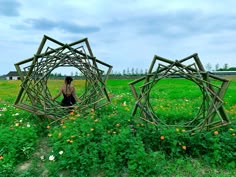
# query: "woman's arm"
{"type": "Point", "coordinates": [59, 94]}
{"type": "Point", "coordinates": [74, 95]}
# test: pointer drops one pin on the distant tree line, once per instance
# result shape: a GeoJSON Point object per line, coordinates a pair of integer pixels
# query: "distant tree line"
{"type": "Point", "coordinates": [131, 73]}
{"type": "Point", "coordinates": [217, 67]}
{"type": "Point", "coordinates": [61, 76]}
{"type": "Point", "coordinates": [128, 73]}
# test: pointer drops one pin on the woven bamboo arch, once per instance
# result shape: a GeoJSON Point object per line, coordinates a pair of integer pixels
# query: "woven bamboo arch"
{"type": "Point", "coordinates": [211, 113]}
{"type": "Point", "coordinates": [34, 95]}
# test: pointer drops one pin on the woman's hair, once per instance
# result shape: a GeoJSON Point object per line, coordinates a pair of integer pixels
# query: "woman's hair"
{"type": "Point", "coordinates": [68, 79]}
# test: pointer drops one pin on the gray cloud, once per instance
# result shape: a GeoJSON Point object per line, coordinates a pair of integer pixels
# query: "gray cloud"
{"type": "Point", "coordinates": [45, 24]}
{"type": "Point", "coordinates": [9, 8]}
{"type": "Point", "coordinates": [73, 28]}
{"type": "Point", "coordinates": [177, 24]}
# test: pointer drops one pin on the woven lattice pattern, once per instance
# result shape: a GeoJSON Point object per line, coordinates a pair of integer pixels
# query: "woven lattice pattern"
{"type": "Point", "coordinates": [211, 113]}
{"type": "Point", "coordinates": [34, 95]}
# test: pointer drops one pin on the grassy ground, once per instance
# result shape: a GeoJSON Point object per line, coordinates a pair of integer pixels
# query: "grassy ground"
{"type": "Point", "coordinates": [110, 142]}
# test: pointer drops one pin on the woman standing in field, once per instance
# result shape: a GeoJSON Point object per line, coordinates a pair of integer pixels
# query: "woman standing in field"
{"type": "Point", "coordinates": [69, 94]}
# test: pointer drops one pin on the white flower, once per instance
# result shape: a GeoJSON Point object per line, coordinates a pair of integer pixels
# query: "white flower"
{"type": "Point", "coordinates": [124, 104]}
{"type": "Point", "coordinates": [20, 121]}
{"type": "Point", "coordinates": [17, 114]}
{"type": "Point", "coordinates": [28, 125]}
{"type": "Point", "coordinates": [61, 152]}
{"type": "Point", "coordinates": [51, 157]}
{"type": "Point", "coordinates": [42, 157]}
{"type": "Point", "coordinates": [0, 115]}
{"type": "Point", "coordinates": [3, 109]}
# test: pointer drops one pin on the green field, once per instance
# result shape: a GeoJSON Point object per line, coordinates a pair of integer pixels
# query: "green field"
{"type": "Point", "coordinates": [111, 142]}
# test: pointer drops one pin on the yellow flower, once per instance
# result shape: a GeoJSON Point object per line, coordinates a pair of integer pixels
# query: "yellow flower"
{"type": "Point", "coordinates": [69, 141]}
{"type": "Point", "coordinates": [177, 129]}
{"type": "Point", "coordinates": [126, 108]}
{"type": "Point", "coordinates": [216, 132]}
{"type": "Point", "coordinates": [91, 129]}
{"type": "Point", "coordinates": [162, 137]}
{"type": "Point", "coordinates": [59, 134]}
{"type": "Point", "coordinates": [184, 147]}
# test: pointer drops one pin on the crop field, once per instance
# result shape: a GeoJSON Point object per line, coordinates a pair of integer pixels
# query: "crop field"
{"type": "Point", "coordinates": [111, 142]}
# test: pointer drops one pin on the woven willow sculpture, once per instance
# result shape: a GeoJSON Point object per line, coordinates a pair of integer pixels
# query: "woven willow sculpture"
{"type": "Point", "coordinates": [34, 95]}
{"type": "Point", "coordinates": [210, 114]}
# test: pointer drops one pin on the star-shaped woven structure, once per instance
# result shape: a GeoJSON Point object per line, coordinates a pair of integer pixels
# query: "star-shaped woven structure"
{"type": "Point", "coordinates": [211, 112]}
{"type": "Point", "coordinates": [34, 95]}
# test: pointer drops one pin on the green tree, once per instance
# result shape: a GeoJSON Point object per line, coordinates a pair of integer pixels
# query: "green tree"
{"type": "Point", "coordinates": [217, 66]}
{"type": "Point", "coordinates": [208, 67]}
{"type": "Point", "coordinates": [226, 66]}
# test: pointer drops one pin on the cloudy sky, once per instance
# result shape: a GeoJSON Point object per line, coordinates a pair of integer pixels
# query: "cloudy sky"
{"type": "Point", "coordinates": [122, 33]}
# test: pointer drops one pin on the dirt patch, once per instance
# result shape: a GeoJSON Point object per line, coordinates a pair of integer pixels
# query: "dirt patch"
{"type": "Point", "coordinates": [24, 166]}
{"type": "Point", "coordinates": [37, 162]}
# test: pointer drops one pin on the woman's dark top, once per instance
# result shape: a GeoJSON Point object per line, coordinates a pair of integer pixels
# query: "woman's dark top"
{"type": "Point", "coordinates": [68, 100]}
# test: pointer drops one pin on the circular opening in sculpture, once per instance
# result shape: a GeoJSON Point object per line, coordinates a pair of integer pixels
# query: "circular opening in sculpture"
{"type": "Point", "coordinates": [57, 78]}
{"type": "Point", "coordinates": [175, 101]}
